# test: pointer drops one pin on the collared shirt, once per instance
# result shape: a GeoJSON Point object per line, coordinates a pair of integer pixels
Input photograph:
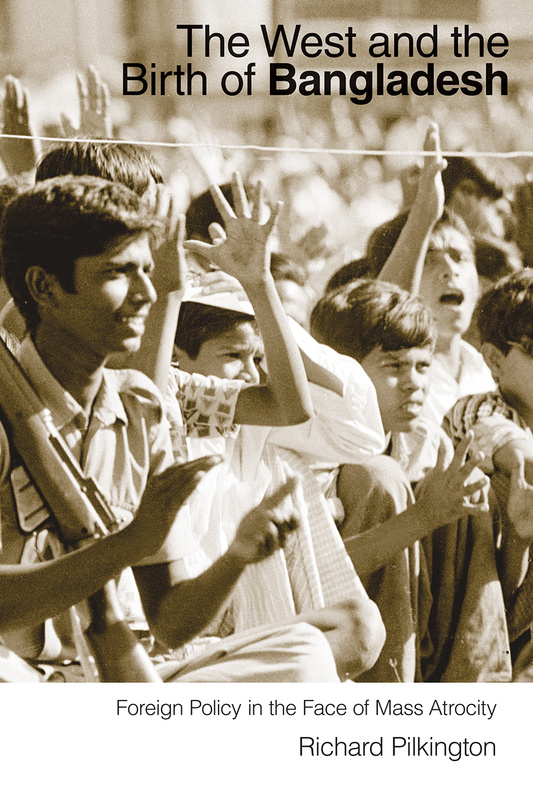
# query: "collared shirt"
{"type": "Point", "coordinates": [445, 390]}
{"type": "Point", "coordinates": [125, 441]}
{"type": "Point", "coordinates": [417, 450]}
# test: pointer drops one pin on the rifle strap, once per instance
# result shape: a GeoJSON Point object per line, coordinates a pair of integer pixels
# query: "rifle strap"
{"type": "Point", "coordinates": [29, 536]}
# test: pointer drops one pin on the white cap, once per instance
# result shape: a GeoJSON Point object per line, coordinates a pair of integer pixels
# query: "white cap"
{"type": "Point", "coordinates": [228, 300]}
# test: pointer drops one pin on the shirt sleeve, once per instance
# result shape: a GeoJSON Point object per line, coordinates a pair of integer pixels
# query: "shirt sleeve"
{"type": "Point", "coordinates": [207, 403]}
{"type": "Point", "coordinates": [343, 429]}
{"type": "Point", "coordinates": [493, 422]}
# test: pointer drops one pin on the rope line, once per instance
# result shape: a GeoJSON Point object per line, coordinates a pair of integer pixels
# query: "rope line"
{"type": "Point", "coordinates": [273, 149]}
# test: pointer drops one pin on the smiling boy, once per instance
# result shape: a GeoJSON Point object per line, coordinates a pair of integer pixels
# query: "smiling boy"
{"type": "Point", "coordinates": [82, 281]}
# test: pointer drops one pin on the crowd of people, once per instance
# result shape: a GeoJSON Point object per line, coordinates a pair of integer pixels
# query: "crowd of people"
{"type": "Point", "coordinates": [265, 482]}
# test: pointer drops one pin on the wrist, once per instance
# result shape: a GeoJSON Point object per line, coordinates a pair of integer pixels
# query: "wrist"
{"type": "Point", "coordinates": [259, 280]}
{"type": "Point", "coordinates": [105, 608]}
{"type": "Point", "coordinates": [236, 557]}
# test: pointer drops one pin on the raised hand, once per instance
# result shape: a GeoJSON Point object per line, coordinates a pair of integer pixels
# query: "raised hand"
{"type": "Point", "coordinates": [95, 122]}
{"type": "Point", "coordinates": [18, 155]}
{"type": "Point", "coordinates": [265, 529]}
{"type": "Point", "coordinates": [244, 251]}
{"type": "Point", "coordinates": [170, 266]}
{"type": "Point", "coordinates": [405, 264]}
{"type": "Point", "coordinates": [430, 192]}
{"type": "Point", "coordinates": [447, 494]}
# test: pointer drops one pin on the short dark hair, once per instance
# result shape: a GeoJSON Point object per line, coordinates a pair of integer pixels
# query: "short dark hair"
{"type": "Point", "coordinates": [202, 211]}
{"type": "Point", "coordinates": [347, 273]}
{"type": "Point", "coordinates": [130, 164]}
{"type": "Point", "coordinates": [461, 169]}
{"type": "Point", "coordinates": [505, 311]}
{"type": "Point", "coordinates": [382, 240]}
{"type": "Point", "coordinates": [60, 220]}
{"type": "Point", "coordinates": [496, 258]}
{"type": "Point", "coordinates": [381, 243]}
{"type": "Point", "coordinates": [356, 318]}
{"type": "Point", "coordinates": [199, 322]}
{"type": "Point", "coordinates": [8, 190]}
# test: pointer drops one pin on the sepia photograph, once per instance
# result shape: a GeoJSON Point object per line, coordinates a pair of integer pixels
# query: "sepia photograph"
{"type": "Point", "coordinates": [266, 382]}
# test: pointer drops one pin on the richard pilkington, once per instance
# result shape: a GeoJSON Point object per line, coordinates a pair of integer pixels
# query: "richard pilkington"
{"type": "Point", "coordinates": [406, 746]}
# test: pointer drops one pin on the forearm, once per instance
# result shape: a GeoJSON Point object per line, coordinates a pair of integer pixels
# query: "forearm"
{"type": "Point", "coordinates": [182, 612]}
{"type": "Point", "coordinates": [155, 354]}
{"type": "Point", "coordinates": [512, 455]}
{"type": "Point", "coordinates": [31, 594]}
{"type": "Point", "coordinates": [287, 398]}
{"type": "Point", "coordinates": [405, 264]}
{"type": "Point", "coordinates": [371, 549]}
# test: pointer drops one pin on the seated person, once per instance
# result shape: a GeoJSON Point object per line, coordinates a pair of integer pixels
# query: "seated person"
{"type": "Point", "coordinates": [391, 334]}
{"type": "Point", "coordinates": [224, 345]}
{"type": "Point", "coordinates": [82, 282]}
{"type": "Point", "coordinates": [268, 404]}
{"type": "Point", "coordinates": [434, 257]}
{"type": "Point", "coordinates": [502, 422]}
{"type": "Point", "coordinates": [31, 593]}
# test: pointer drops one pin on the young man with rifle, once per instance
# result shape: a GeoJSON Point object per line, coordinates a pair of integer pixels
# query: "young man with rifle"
{"type": "Point", "coordinates": [77, 260]}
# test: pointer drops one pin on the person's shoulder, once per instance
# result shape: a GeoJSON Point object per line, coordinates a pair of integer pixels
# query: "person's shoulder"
{"type": "Point", "coordinates": [486, 409]}
{"type": "Point", "coordinates": [133, 385]}
{"type": "Point", "coordinates": [474, 407]}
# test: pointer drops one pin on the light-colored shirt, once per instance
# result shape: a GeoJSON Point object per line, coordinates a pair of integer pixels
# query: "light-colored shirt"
{"type": "Point", "coordinates": [314, 569]}
{"type": "Point", "coordinates": [445, 390]}
{"type": "Point", "coordinates": [125, 441]}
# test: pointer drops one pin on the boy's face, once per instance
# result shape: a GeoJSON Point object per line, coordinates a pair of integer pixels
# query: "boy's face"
{"type": "Point", "coordinates": [514, 375]}
{"type": "Point", "coordinates": [401, 380]}
{"type": "Point", "coordinates": [449, 282]}
{"type": "Point", "coordinates": [113, 294]}
{"type": "Point", "coordinates": [235, 355]}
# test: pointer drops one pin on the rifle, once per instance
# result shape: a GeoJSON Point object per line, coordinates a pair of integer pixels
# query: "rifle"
{"type": "Point", "coordinates": [80, 511]}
